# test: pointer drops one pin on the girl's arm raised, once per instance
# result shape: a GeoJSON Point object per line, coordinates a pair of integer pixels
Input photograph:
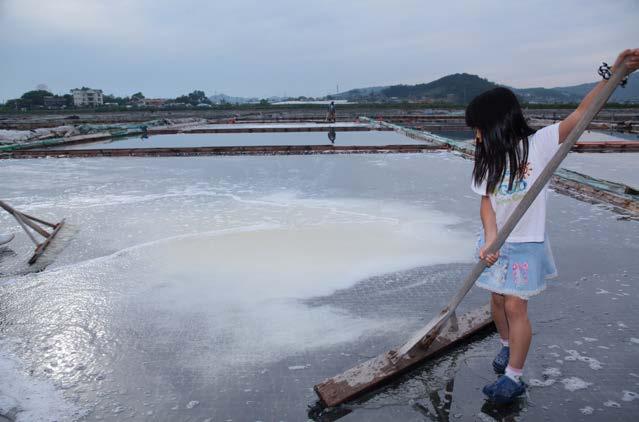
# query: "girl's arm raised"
{"type": "Point", "coordinates": [632, 61]}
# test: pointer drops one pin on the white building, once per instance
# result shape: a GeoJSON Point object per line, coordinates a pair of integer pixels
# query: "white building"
{"type": "Point", "coordinates": [87, 97]}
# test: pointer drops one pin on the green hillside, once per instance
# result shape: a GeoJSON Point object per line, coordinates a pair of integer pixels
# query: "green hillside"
{"type": "Point", "coordinates": [459, 88]}
{"type": "Point", "coordinates": [629, 93]}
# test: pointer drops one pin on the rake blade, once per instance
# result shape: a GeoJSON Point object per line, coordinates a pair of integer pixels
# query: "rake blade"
{"type": "Point", "coordinates": [42, 247]}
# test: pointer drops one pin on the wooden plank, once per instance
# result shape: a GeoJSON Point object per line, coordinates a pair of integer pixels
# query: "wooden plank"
{"type": "Point", "coordinates": [620, 204]}
{"type": "Point", "coordinates": [272, 129]}
{"type": "Point", "coordinates": [607, 146]}
{"type": "Point", "coordinates": [379, 370]}
{"type": "Point", "coordinates": [453, 126]}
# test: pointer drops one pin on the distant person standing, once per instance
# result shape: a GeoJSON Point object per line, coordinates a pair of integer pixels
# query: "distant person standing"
{"type": "Point", "coordinates": [331, 112]}
{"type": "Point", "coordinates": [332, 134]}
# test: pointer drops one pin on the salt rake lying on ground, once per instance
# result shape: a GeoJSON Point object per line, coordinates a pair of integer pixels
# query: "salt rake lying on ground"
{"type": "Point", "coordinates": [445, 330]}
{"type": "Point", "coordinates": [32, 225]}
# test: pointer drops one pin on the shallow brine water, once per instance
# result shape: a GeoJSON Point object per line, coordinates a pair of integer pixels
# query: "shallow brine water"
{"type": "Point", "coordinates": [225, 287]}
{"type": "Point", "coordinates": [616, 167]}
{"type": "Point", "coordinates": [186, 273]}
{"type": "Point", "coordinates": [347, 138]}
{"type": "Point", "coordinates": [587, 136]}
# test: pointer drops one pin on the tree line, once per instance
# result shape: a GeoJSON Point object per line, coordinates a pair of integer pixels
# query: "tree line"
{"type": "Point", "coordinates": [41, 99]}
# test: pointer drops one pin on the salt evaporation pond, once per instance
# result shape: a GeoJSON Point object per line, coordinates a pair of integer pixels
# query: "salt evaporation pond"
{"type": "Point", "coordinates": [588, 136]}
{"type": "Point", "coordinates": [223, 288]}
{"type": "Point", "coordinates": [616, 167]}
{"type": "Point", "coordinates": [347, 138]}
{"type": "Point", "coordinates": [601, 136]}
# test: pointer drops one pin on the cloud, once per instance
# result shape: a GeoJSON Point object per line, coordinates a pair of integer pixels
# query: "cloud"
{"type": "Point", "coordinates": [251, 47]}
{"type": "Point", "coordinates": [70, 16]}
{"type": "Point", "coordinates": [97, 23]}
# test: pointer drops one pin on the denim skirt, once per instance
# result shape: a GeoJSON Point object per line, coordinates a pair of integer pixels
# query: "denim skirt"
{"type": "Point", "coordinates": [521, 270]}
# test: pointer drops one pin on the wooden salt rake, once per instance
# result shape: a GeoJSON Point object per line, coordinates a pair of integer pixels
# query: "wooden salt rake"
{"type": "Point", "coordinates": [29, 222]}
{"type": "Point", "coordinates": [445, 330]}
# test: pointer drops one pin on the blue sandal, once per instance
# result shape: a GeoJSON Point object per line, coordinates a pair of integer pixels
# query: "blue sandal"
{"type": "Point", "coordinates": [504, 390]}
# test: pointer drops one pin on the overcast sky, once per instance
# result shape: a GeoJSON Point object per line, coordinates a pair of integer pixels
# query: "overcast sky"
{"type": "Point", "coordinates": [262, 48]}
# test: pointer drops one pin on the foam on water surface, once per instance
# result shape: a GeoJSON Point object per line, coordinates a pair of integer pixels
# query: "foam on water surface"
{"type": "Point", "coordinates": [245, 283]}
{"type": "Point", "coordinates": [538, 383]}
{"type": "Point", "coordinates": [239, 288]}
{"type": "Point", "coordinates": [552, 372]}
{"type": "Point", "coordinates": [588, 410]}
{"type": "Point", "coordinates": [282, 261]}
{"type": "Point", "coordinates": [30, 399]}
{"type": "Point", "coordinates": [575, 383]}
{"type": "Point", "coordinates": [574, 355]}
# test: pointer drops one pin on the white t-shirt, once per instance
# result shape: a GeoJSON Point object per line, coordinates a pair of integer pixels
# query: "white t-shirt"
{"type": "Point", "coordinates": [532, 226]}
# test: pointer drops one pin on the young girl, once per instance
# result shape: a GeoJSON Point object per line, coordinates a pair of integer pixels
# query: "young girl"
{"type": "Point", "coordinates": [509, 156]}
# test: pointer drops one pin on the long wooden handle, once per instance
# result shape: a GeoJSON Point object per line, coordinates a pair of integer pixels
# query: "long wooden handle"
{"type": "Point", "coordinates": [429, 332]}
{"type": "Point", "coordinates": [26, 219]}
{"type": "Point", "coordinates": [6, 207]}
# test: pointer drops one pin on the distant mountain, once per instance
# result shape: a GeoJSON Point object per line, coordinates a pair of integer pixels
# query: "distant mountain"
{"type": "Point", "coordinates": [545, 95]}
{"type": "Point", "coordinates": [460, 88]}
{"type": "Point", "coordinates": [579, 90]}
{"type": "Point", "coordinates": [629, 93]}
{"type": "Point", "coordinates": [359, 93]}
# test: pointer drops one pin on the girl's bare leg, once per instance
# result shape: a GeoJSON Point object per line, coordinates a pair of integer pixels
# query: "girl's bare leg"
{"type": "Point", "coordinates": [497, 306]}
{"type": "Point", "coordinates": [520, 331]}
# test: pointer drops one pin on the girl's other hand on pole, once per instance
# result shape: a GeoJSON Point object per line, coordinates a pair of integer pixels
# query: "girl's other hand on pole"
{"type": "Point", "coordinates": [489, 258]}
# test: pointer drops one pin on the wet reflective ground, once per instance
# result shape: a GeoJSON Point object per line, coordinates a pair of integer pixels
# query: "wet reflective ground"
{"type": "Point", "coordinates": [224, 288]}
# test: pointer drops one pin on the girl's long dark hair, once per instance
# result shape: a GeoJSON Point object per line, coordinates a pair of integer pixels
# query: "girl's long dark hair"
{"type": "Point", "coordinates": [497, 114]}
